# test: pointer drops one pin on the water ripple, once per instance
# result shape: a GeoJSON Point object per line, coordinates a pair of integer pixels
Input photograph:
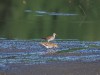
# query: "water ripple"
{"type": "Point", "coordinates": [31, 52]}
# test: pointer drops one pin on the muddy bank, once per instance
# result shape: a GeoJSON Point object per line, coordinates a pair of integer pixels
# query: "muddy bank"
{"type": "Point", "coordinates": [65, 68]}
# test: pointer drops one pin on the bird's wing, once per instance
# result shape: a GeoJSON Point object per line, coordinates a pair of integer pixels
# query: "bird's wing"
{"type": "Point", "coordinates": [49, 37]}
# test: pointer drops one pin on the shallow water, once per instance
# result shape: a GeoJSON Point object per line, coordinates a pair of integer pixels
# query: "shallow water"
{"type": "Point", "coordinates": [31, 52]}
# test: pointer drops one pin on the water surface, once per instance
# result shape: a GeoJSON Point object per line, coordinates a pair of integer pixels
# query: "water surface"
{"type": "Point", "coordinates": [32, 52]}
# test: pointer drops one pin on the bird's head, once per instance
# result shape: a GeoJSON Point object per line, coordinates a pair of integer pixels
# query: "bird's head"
{"type": "Point", "coordinates": [54, 34]}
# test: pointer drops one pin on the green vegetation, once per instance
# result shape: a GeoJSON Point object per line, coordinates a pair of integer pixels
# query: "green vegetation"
{"type": "Point", "coordinates": [16, 23]}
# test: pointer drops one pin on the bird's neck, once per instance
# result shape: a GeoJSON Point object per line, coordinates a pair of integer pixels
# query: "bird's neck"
{"type": "Point", "coordinates": [53, 35]}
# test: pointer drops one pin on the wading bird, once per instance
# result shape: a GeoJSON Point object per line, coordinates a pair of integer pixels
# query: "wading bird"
{"type": "Point", "coordinates": [50, 38]}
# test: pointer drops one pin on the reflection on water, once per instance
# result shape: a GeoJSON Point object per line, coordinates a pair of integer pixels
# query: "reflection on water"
{"type": "Point", "coordinates": [32, 52]}
{"type": "Point", "coordinates": [30, 58]}
{"type": "Point", "coordinates": [22, 57]}
{"type": "Point", "coordinates": [41, 13]}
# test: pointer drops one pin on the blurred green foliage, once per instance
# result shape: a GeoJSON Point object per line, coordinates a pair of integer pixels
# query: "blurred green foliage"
{"type": "Point", "coordinates": [16, 23]}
